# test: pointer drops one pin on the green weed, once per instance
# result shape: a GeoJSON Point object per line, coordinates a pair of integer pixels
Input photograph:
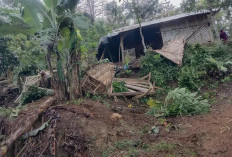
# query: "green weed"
{"type": "Point", "coordinates": [165, 147]}
{"type": "Point", "coordinates": [76, 102]}
{"type": "Point", "coordinates": [122, 145]}
{"type": "Point", "coordinates": [119, 87]}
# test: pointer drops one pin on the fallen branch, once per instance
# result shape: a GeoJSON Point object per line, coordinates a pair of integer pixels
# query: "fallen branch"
{"type": "Point", "coordinates": [28, 123]}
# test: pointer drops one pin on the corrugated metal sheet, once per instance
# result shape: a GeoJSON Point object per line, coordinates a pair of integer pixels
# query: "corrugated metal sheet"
{"type": "Point", "coordinates": [104, 40]}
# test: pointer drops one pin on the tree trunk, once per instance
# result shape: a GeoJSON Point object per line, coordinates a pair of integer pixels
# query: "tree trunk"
{"type": "Point", "coordinates": [142, 37]}
{"type": "Point", "coordinates": [73, 77]}
{"type": "Point", "coordinates": [141, 32]}
{"type": "Point", "coordinates": [59, 83]}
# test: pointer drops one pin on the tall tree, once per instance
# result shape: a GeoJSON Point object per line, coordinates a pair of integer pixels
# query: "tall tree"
{"type": "Point", "coordinates": [115, 15]}
{"type": "Point", "coordinates": [93, 8]}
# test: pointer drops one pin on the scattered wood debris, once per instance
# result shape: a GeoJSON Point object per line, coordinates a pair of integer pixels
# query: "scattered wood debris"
{"type": "Point", "coordinates": [98, 79]}
{"type": "Point", "coordinates": [136, 87]}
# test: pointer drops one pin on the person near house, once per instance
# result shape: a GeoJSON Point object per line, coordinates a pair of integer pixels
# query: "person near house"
{"type": "Point", "coordinates": [223, 36]}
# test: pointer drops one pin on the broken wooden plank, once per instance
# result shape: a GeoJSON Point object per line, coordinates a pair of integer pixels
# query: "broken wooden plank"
{"type": "Point", "coordinates": [129, 93]}
{"type": "Point", "coordinates": [141, 95]}
{"type": "Point", "coordinates": [130, 90]}
{"type": "Point", "coordinates": [136, 88]}
{"type": "Point", "coordinates": [126, 80]}
{"type": "Point", "coordinates": [139, 85]}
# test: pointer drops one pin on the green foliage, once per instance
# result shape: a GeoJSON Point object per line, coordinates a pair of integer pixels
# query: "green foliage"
{"type": "Point", "coordinates": [34, 93]}
{"type": "Point", "coordinates": [162, 70]}
{"type": "Point", "coordinates": [9, 112]}
{"type": "Point", "coordinates": [227, 79]}
{"type": "Point", "coordinates": [76, 102]}
{"type": "Point", "coordinates": [180, 102]}
{"type": "Point", "coordinates": [29, 53]}
{"type": "Point", "coordinates": [193, 69]}
{"type": "Point", "coordinates": [166, 147]}
{"type": "Point", "coordinates": [5, 112]}
{"type": "Point", "coordinates": [7, 57]}
{"type": "Point", "coordinates": [156, 107]}
{"type": "Point", "coordinates": [190, 77]}
{"type": "Point", "coordinates": [119, 87]}
{"type": "Point", "coordinates": [122, 145]}
{"type": "Point", "coordinates": [199, 62]}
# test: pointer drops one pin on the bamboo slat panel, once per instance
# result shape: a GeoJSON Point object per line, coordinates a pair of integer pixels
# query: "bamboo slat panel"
{"type": "Point", "coordinates": [173, 51]}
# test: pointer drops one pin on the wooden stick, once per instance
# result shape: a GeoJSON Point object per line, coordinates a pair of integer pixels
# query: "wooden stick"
{"type": "Point", "coordinates": [130, 90]}
{"type": "Point", "coordinates": [129, 93]}
{"type": "Point", "coordinates": [115, 98]}
{"type": "Point", "coordinates": [142, 95]}
{"type": "Point", "coordinates": [139, 85]}
{"type": "Point", "coordinates": [136, 88]}
{"type": "Point", "coordinates": [28, 123]}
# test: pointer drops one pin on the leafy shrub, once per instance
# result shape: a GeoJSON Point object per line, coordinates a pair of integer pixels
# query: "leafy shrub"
{"type": "Point", "coordinates": [162, 70]}
{"type": "Point", "coordinates": [190, 77]}
{"type": "Point", "coordinates": [119, 87]}
{"type": "Point", "coordinates": [181, 102]}
{"type": "Point", "coordinates": [193, 69]}
{"type": "Point", "coordinates": [220, 51]}
{"type": "Point", "coordinates": [34, 93]}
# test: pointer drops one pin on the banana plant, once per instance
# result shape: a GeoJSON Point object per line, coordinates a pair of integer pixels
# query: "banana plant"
{"type": "Point", "coordinates": [52, 23]}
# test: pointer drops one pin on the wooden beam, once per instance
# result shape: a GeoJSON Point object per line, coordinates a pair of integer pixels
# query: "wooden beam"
{"type": "Point", "coordinates": [136, 88]}
{"type": "Point", "coordinates": [103, 54]}
{"type": "Point", "coordinates": [130, 93]}
{"type": "Point", "coordinates": [122, 46]}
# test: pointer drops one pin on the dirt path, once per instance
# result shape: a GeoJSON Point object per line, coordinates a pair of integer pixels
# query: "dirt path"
{"type": "Point", "coordinates": [210, 134]}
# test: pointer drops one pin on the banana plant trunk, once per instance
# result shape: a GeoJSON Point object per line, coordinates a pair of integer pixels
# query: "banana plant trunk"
{"type": "Point", "coordinates": [59, 82]}
{"type": "Point", "coordinates": [73, 76]}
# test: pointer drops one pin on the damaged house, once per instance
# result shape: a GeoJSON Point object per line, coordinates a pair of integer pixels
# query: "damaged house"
{"type": "Point", "coordinates": [163, 35]}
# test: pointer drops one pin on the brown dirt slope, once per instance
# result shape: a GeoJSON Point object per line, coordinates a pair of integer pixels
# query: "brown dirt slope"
{"type": "Point", "coordinates": [85, 128]}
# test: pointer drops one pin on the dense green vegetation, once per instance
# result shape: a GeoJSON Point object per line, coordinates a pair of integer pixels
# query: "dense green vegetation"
{"type": "Point", "coordinates": [179, 102]}
{"type": "Point", "coordinates": [199, 63]}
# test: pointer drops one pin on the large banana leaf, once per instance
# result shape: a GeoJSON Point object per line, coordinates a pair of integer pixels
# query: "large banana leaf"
{"type": "Point", "coordinates": [50, 4]}
{"type": "Point", "coordinates": [31, 17]}
{"type": "Point", "coordinates": [10, 24]}
{"type": "Point", "coordinates": [6, 29]}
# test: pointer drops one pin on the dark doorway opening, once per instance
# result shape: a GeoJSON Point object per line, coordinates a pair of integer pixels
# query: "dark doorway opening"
{"type": "Point", "coordinates": [132, 40]}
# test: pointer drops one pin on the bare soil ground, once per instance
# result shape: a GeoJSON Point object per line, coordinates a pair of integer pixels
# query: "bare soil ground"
{"type": "Point", "coordinates": [85, 128]}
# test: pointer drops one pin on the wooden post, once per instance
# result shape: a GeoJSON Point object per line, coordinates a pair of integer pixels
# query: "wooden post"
{"type": "Point", "coordinates": [103, 54]}
{"type": "Point", "coordinates": [119, 56]}
{"type": "Point", "coordinates": [122, 47]}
